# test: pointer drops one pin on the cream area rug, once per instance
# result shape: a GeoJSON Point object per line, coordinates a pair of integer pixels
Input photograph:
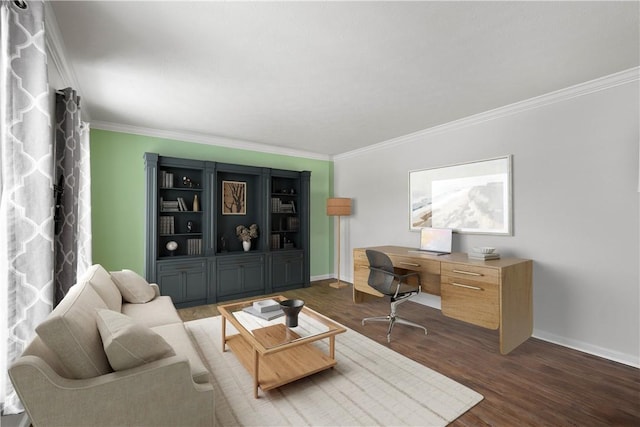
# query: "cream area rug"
{"type": "Point", "coordinates": [371, 385]}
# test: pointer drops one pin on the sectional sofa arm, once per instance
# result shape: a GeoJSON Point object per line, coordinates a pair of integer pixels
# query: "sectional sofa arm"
{"type": "Point", "coordinates": [142, 396]}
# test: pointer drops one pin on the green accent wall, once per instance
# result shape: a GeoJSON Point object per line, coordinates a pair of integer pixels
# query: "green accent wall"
{"type": "Point", "coordinates": [118, 194]}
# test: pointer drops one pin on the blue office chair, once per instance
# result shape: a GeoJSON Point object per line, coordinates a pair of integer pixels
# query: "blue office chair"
{"type": "Point", "coordinates": [383, 278]}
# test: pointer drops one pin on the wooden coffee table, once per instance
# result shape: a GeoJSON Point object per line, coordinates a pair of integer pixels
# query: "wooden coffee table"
{"type": "Point", "coordinates": [273, 353]}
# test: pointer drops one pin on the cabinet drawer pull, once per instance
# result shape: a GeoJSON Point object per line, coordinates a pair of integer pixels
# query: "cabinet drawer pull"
{"type": "Point", "coordinates": [468, 273]}
{"type": "Point", "coordinates": [409, 263]}
{"type": "Point", "coordinates": [475, 288]}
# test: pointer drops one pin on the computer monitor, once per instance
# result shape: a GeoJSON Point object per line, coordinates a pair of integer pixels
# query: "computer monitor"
{"type": "Point", "coordinates": [436, 240]}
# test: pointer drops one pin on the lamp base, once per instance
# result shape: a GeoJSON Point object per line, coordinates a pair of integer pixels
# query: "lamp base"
{"type": "Point", "coordinates": [338, 285]}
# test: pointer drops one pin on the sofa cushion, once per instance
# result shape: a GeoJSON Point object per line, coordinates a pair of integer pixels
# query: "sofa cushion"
{"type": "Point", "coordinates": [133, 287]}
{"type": "Point", "coordinates": [129, 344]}
{"type": "Point", "coordinates": [71, 332]}
{"type": "Point", "coordinates": [178, 337]}
{"type": "Point", "coordinates": [101, 282]}
{"type": "Point", "coordinates": [159, 311]}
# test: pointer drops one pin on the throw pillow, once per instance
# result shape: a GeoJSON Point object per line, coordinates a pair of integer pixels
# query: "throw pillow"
{"type": "Point", "coordinates": [133, 287]}
{"type": "Point", "coordinates": [127, 343]}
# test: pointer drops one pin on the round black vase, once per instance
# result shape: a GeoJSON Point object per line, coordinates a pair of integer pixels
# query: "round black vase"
{"type": "Point", "coordinates": [291, 308]}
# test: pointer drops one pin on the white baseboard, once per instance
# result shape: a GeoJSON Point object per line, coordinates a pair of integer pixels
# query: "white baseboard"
{"type": "Point", "coordinates": [323, 277]}
{"type": "Point", "coordinates": [615, 356]}
{"type": "Point", "coordinates": [626, 359]}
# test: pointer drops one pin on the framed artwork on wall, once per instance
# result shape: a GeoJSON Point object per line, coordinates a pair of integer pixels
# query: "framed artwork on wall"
{"type": "Point", "coordinates": [472, 197]}
{"type": "Point", "coordinates": [234, 198]}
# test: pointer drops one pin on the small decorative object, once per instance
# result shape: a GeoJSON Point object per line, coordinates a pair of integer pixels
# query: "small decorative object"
{"type": "Point", "coordinates": [172, 246]}
{"type": "Point", "coordinates": [196, 204]}
{"type": "Point", "coordinates": [223, 244]}
{"type": "Point", "coordinates": [246, 234]}
{"type": "Point", "coordinates": [189, 226]}
{"type": "Point", "coordinates": [291, 308]}
{"type": "Point", "coordinates": [293, 191]}
{"type": "Point", "coordinates": [186, 181]}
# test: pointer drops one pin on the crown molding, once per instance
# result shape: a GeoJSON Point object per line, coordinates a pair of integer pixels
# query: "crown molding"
{"type": "Point", "coordinates": [208, 140]}
{"type": "Point", "coordinates": [602, 83]}
{"type": "Point", "coordinates": [56, 53]}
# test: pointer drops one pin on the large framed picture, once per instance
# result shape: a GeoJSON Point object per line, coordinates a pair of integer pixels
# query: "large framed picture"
{"type": "Point", "coordinates": [472, 197]}
{"type": "Point", "coordinates": [234, 198]}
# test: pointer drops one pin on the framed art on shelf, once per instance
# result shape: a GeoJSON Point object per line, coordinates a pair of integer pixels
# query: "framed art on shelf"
{"type": "Point", "coordinates": [473, 197]}
{"type": "Point", "coordinates": [234, 198]}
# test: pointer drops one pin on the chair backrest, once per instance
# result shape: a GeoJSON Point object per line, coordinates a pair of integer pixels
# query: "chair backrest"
{"type": "Point", "coordinates": [380, 279]}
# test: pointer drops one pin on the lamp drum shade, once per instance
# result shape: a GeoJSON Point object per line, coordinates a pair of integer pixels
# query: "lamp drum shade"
{"type": "Point", "coordinates": [339, 206]}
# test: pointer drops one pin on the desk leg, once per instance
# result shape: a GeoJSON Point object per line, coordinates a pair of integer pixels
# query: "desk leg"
{"type": "Point", "coordinates": [224, 332]}
{"type": "Point", "coordinates": [256, 372]}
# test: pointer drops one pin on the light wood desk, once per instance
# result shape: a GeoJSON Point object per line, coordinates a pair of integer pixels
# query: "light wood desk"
{"type": "Point", "coordinates": [496, 294]}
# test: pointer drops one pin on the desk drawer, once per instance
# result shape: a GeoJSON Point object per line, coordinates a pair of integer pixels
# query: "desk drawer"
{"type": "Point", "coordinates": [416, 264]}
{"type": "Point", "coordinates": [361, 273]}
{"type": "Point", "coordinates": [476, 273]}
{"type": "Point", "coordinates": [429, 271]}
{"type": "Point", "coordinates": [472, 301]}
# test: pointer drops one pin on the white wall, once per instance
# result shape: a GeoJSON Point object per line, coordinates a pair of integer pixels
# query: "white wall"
{"type": "Point", "coordinates": [576, 206]}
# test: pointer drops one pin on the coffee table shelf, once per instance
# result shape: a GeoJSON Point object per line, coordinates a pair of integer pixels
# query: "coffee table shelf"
{"type": "Point", "coordinates": [274, 354]}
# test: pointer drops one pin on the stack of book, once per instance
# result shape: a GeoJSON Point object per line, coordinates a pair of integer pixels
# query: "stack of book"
{"type": "Point", "coordinates": [166, 225]}
{"type": "Point", "coordinates": [275, 241]}
{"type": "Point", "coordinates": [293, 223]}
{"type": "Point", "coordinates": [287, 207]}
{"type": "Point", "coordinates": [266, 309]}
{"type": "Point", "coordinates": [275, 204]}
{"type": "Point", "coordinates": [166, 179]}
{"type": "Point", "coordinates": [480, 253]}
{"type": "Point", "coordinates": [278, 206]}
{"type": "Point", "coordinates": [177, 205]}
{"type": "Point", "coordinates": [194, 246]}
{"type": "Point", "coordinates": [169, 205]}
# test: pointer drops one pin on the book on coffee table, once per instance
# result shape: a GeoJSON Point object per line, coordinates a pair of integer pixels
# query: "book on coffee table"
{"type": "Point", "coordinates": [267, 315]}
{"type": "Point", "coordinates": [266, 305]}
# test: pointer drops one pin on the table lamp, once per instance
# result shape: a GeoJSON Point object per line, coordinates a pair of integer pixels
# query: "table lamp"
{"type": "Point", "coordinates": [338, 206]}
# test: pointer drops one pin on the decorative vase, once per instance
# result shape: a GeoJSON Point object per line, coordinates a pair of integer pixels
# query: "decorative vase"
{"type": "Point", "coordinates": [291, 308]}
{"type": "Point", "coordinates": [196, 204]}
{"type": "Point", "coordinates": [246, 245]}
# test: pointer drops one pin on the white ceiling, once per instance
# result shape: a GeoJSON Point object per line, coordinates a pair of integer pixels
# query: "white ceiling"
{"type": "Point", "coordinates": [331, 77]}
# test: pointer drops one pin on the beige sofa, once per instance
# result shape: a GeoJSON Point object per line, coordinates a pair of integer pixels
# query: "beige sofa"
{"type": "Point", "coordinates": [113, 353]}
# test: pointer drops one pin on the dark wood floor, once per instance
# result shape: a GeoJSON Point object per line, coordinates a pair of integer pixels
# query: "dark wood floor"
{"type": "Point", "coordinates": [538, 384]}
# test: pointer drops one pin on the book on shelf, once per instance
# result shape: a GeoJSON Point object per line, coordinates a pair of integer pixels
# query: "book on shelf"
{"type": "Point", "coordinates": [169, 206]}
{"type": "Point", "coordinates": [166, 225]}
{"type": "Point", "coordinates": [278, 206]}
{"type": "Point", "coordinates": [194, 246]}
{"type": "Point", "coordinates": [275, 204]}
{"type": "Point", "coordinates": [275, 241]}
{"type": "Point", "coordinates": [182, 205]}
{"type": "Point", "coordinates": [287, 207]}
{"type": "Point", "coordinates": [166, 179]}
{"type": "Point", "coordinates": [293, 223]}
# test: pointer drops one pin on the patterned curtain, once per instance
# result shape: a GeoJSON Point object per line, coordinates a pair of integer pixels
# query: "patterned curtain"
{"type": "Point", "coordinates": [73, 197]}
{"type": "Point", "coordinates": [26, 184]}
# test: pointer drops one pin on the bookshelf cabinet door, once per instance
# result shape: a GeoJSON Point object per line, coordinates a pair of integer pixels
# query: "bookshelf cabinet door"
{"type": "Point", "coordinates": [287, 270]}
{"type": "Point", "coordinates": [240, 276]}
{"type": "Point", "coordinates": [185, 281]}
